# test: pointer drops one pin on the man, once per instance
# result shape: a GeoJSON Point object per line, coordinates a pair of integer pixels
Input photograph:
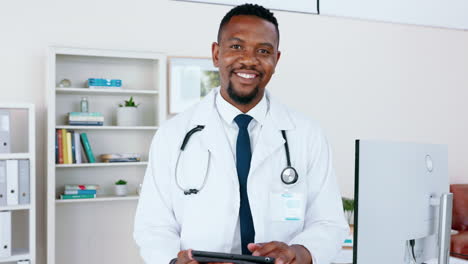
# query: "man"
{"type": "Point", "coordinates": [225, 191]}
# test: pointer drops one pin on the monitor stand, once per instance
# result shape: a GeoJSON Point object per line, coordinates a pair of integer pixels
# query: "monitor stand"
{"type": "Point", "coordinates": [445, 226]}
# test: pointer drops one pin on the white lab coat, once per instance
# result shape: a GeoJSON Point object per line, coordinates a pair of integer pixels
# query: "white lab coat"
{"type": "Point", "coordinates": [168, 221]}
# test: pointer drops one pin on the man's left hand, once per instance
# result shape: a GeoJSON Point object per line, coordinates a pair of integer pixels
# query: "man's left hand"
{"type": "Point", "coordinates": [283, 254]}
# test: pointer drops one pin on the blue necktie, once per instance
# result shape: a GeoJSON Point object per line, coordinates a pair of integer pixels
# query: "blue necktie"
{"type": "Point", "coordinates": [243, 157]}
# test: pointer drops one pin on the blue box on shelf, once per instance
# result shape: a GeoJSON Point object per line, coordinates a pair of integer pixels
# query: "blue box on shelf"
{"type": "Point", "coordinates": [104, 83]}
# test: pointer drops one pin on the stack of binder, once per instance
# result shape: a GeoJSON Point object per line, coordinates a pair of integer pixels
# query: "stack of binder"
{"type": "Point", "coordinates": [14, 182]}
{"type": "Point", "coordinates": [14, 190]}
{"type": "Point", "coordinates": [85, 119]}
{"type": "Point", "coordinates": [4, 131]}
{"type": "Point", "coordinates": [5, 234]}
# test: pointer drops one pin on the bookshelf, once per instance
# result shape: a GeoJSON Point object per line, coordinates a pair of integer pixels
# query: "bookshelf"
{"type": "Point", "coordinates": [100, 199]}
{"type": "Point", "coordinates": [23, 216]}
{"type": "Point", "coordinates": [87, 91]}
{"type": "Point", "coordinates": [99, 230]}
{"type": "Point", "coordinates": [109, 127]}
{"type": "Point", "coordinates": [102, 164]}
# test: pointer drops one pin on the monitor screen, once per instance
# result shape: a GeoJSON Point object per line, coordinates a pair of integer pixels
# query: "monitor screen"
{"type": "Point", "coordinates": [395, 184]}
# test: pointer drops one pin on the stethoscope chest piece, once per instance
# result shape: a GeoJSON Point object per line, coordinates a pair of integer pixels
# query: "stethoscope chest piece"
{"type": "Point", "coordinates": [289, 175]}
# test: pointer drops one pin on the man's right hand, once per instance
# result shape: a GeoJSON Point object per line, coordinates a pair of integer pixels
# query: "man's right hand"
{"type": "Point", "coordinates": [185, 257]}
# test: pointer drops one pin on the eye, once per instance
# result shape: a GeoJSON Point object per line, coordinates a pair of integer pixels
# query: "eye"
{"type": "Point", "coordinates": [264, 51]}
{"type": "Point", "coordinates": [236, 46]}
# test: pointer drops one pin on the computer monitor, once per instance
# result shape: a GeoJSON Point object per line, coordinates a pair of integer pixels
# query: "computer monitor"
{"type": "Point", "coordinates": [398, 187]}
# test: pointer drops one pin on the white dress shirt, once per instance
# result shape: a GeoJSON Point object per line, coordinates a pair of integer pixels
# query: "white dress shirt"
{"type": "Point", "coordinates": [228, 112]}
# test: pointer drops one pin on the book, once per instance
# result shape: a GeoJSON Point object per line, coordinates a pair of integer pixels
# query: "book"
{"type": "Point", "coordinates": [76, 138]}
{"type": "Point", "coordinates": [56, 148]}
{"type": "Point", "coordinates": [73, 151]}
{"type": "Point", "coordinates": [85, 123]}
{"type": "Point", "coordinates": [87, 148]}
{"type": "Point", "coordinates": [69, 148]}
{"type": "Point", "coordinates": [104, 82]}
{"type": "Point", "coordinates": [122, 160]}
{"type": "Point", "coordinates": [81, 187]}
{"type": "Point", "coordinates": [120, 157]}
{"type": "Point", "coordinates": [64, 146]}
{"type": "Point", "coordinates": [59, 146]}
{"type": "Point", "coordinates": [85, 114]}
{"type": "Point", "coordinates": [70, 192]}
{"type": "Point", "coordinates": [77, 196]}
{"type": "Point", "coordinates": [86, 119]}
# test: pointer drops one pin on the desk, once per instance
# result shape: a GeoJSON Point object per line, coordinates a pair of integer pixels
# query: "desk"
{"type": "Point", "coordinates": [346, 256]}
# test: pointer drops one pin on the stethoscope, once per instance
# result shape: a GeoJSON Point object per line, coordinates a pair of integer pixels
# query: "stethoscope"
{"type": "Point", "coordinates": [288, 175]}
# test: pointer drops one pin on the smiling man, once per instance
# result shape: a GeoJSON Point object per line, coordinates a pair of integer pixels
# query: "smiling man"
{"type": "Point", "coordinates": [246, 55]}
{"type": "Point", "coordinates": [239, 172]}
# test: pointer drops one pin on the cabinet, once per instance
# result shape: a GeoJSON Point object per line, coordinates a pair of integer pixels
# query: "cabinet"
{"type": "Point", "coordinates": [100, 230]}
{"type": "Point", "coordinates": [435, 13]}
{"type": "Point", "coordinates": [22, 214]}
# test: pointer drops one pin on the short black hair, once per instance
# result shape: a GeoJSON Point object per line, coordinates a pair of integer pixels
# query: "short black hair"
{"type": "Point", "coordinates": [249, 10]}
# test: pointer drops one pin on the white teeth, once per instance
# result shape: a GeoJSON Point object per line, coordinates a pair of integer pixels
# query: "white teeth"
{"type": "Point", "coordinates": [246, 75]}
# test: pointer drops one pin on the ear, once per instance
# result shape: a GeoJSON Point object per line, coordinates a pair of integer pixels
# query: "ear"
{"type": "Point", "coordinates": [278, 55]}
{"type": "Point", "coordinates": [215, 54]}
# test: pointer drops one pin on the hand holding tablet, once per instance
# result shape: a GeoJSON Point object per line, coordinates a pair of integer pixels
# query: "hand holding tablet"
{"type": "Point", "coordinates": [207, 257]}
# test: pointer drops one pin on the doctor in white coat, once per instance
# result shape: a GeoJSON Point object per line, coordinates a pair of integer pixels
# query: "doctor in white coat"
{"type": "Point", "coordinates": [298, 221]}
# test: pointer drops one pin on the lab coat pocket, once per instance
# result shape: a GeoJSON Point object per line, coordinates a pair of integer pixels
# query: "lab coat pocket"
{"type": "Point", "coordinates": [286, 215]}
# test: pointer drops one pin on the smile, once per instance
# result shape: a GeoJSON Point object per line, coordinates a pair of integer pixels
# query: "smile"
{"type": "Point", "coordinates": [246, 75]}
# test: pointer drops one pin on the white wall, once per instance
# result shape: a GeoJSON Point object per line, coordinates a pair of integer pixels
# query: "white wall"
{"type": "Point", "coordinates": [360, 79]}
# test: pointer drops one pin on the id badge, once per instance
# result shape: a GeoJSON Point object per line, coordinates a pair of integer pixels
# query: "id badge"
{"type": "Point", "coordinates": [286, 206]}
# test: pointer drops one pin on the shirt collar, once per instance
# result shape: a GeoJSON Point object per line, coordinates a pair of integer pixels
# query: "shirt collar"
{"type": "Point", "coordinates": [228, 112]}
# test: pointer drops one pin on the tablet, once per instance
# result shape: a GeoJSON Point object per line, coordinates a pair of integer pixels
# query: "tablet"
{"type": "Point", "coordinates": [205, 256]}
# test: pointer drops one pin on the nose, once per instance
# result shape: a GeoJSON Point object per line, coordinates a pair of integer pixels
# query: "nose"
{"type": "Point", "coordinates": [248, 57]}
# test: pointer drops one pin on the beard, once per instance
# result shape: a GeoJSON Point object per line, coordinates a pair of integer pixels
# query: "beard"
{"type": "Point", "coordinates": [241, 99]}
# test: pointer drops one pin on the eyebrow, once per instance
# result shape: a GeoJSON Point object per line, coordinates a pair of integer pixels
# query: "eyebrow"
{"type": "Point", "coordinates": [236, 39]}
{"type": "Point", "coordinates": [261, 44]}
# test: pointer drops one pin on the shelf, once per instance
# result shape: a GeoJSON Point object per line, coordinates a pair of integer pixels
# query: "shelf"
{"type": "Point", "coordinates": [108, 127]}
{"type": "Point", "coordinates": [99, 199]}
{"type": "Point", "coordinates": [144, 74]}
{"type": "Point", "coordinates": [17, 254]}
{"type": "Point", "coordinates": [5, 156]}
{"type": "Point", "coordinates": [102, 164]}
{"type": "Point", "coordinates": [105, 91]}
{"type": "Point", "coordinates": [16, 106]}
{"type": "Point", "coordinates": [15, 207]}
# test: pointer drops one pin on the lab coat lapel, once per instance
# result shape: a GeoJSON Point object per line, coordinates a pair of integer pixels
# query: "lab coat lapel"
{"type": "Point", "coordinates": [270, 138]}
{"type": "Point", "coordinates": [214, 136]}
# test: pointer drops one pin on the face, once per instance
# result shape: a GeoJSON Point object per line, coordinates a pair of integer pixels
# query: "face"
{"type": "Point", "coordinates": [246, 56]}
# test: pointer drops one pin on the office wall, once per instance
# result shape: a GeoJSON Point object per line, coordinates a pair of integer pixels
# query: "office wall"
{"type": "Point", "coordinates": [360, 79]}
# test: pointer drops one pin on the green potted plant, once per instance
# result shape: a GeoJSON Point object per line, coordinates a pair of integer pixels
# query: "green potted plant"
{"type": "Point", "coordinates": [348, 207]}
{"type": "Point", "coordinates": [121, 188]}
{"type": "Point", "coordinates": [127, 113]}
